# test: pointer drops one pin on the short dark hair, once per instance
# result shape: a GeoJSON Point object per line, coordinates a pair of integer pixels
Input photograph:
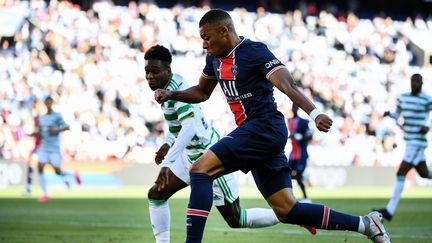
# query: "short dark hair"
{"type": "Point", "coordinates": [417, 77]}
{"type": "Point", "coordinates": [158, 52]}
{"type": "Point", "coordinates": [48, 98]}
{"type": "Point", "coordinates": [216, 16]}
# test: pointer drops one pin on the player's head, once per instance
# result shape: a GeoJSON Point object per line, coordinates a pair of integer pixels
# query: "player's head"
{"type": "Point", "coordinates": [157, 66]}
{"type": "Point", "coordinates": [49, 101]}
{"type": "Point", "coordinates": [416, 83]}
{"type": "Point", "coordinates": [217, 31]}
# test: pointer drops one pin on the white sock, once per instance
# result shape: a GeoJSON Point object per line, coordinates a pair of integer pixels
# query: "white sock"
{"type": "Point", "coordinates": [66, 174]}
{"type": "Point", "coordinates": [361, 228]}
{"type": "Point", "coordinates": [257, 218]}
{"type": "Point", "coordinates": [43, 184]}
{"type": "Point", "coordinates": [160, 218]}
{"type": "Point", "coordinates": [394, 200]}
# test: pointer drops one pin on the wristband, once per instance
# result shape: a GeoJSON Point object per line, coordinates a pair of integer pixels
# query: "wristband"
{"type": "Point", "coordinates": [314, 113]}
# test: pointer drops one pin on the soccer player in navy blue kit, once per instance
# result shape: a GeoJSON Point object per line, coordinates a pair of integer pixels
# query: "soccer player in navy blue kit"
{"type": "Point", "coordinates": [247, 72]}
{"type": "Point", "coordinates": [300, 134]}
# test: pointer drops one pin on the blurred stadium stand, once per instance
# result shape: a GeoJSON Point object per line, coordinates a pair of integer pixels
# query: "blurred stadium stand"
{"type": "Point", "coordinates": [351, 64]}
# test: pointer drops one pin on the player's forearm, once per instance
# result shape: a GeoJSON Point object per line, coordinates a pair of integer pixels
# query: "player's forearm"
{"type": "Point", "coordinates": [185, 135]}
{"type": "Point", "coordinates": [299, 98]}
{"type": "Point", "coordinates": [191, 95]}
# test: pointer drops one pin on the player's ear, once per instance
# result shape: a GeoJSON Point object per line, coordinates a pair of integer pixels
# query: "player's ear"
{"type": "Point", "coordinates": [224, 31]}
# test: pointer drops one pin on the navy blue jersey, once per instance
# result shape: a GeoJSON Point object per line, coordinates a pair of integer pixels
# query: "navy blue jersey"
{"type": "Point", "coordinates": [242, 75]}
{"type": "Point", "coordinates": [300, 132]}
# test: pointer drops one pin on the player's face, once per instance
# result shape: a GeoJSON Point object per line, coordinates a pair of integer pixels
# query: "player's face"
{"type": "Point", "coordinates": [157, 74]}
{"type": "Point", "coordinates": [214, 40]}
{"type": "Point", "coordinates": [48, 103]}
{"type": "Point", "coordinates": [416, 85]}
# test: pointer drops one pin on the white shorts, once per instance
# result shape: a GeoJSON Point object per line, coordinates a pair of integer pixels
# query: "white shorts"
{"type": "Point", "coordinates": [414, 155]}
{"type": "Point", "coordinates": [224, 187]}
{"type": "Point", "coordinates": [53, 158]}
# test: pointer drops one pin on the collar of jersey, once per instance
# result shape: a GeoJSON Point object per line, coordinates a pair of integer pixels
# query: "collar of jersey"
{"type": "Point", "coordinates": [242, 39]}
{"type": "Point", "coordinates": [169, 81]}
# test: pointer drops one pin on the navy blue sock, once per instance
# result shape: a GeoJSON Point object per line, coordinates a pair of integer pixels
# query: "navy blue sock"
{"type": "Point", "coordinates": [200, 202]}
{"type": "Point", "coordinates": [29, 175]}
{"type": "Point", "coordinates": [321, 217]}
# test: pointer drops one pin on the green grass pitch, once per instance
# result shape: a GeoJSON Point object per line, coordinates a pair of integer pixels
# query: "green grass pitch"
{"type": "Point", "coordinates": [121, 215]}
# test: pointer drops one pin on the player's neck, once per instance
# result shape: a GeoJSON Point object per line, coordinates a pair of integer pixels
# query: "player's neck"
{"type": "Point", "coordinates": [233, 42]}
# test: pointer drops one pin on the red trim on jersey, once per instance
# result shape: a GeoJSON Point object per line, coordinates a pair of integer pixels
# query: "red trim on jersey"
{"type": "Point", "coordinates": [197, 212]}
{"type": "Point", "coordinates": [37, 139]}
{"type": "Point", "coordinates": [238, 110]}
{"type": "Point", "coordinates": [225, 68]}
{"type": "Point", "coordinates": [296, 151]}
{"type": "Point", "coordinates": [325, 218]}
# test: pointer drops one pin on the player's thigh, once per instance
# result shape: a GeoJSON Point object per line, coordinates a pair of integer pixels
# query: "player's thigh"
{"type": "Point", "coordinates": [414, 154]}
{"type": "Point", "coordinates": [250, 144]}
{"type": "Point", "coordinates": [55, 160]}
{"type": "Point", "coordinates": [404, 168]}
{"type": "Point", "coordinates": [43, 156]}
{"type": "Point", "coordinates": [422, 169]}
{"type": "Point", "coordinates": [174, 185]}
{"type": "Point", "coordinates": [181, 166]}
{"type": "Point", "coordinates": [208, 163]}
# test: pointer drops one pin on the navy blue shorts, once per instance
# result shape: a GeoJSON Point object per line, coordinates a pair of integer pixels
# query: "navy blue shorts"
{"type": "Point", "coordinates": [258, 146]}
{"type": "Point", "coordinates": [298, 165]}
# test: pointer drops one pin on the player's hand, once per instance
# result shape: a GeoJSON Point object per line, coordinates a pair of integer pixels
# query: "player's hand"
{"type": "Point", "coordinates": [163, 178]}
{"type": "Point", "coordinates": [53, 130]}
{"type": "Point", "coordinates": [160, 154]}
{"type": "Point", "coordinates": [424, 129]}
{"type": "Point", "coordinates": [387, 113]}
{"type": "Point", "coordinates": [323, 122]}
{"type": "Point", "coordinates": [162, 95]}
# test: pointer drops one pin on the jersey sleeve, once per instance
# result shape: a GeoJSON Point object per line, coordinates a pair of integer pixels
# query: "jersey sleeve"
{"type": "Point", "coordinates": [184, 111]}
{"type": "Point", "coordinates": [60, 121]}
{"type": "Point", "coordinates": [208, 71]}
{"type": "Point", "coordinates": [267, 62]}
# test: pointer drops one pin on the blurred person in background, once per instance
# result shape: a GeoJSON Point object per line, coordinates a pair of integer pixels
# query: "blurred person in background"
{"type": "Point", "coordinates": [300, 136]}
{"type": "Point", "coordinates": [50, 126]}
{"type": "Point", "coordinates": [38, 110]}
{"type": "Point", "coordinates": [414, 107]}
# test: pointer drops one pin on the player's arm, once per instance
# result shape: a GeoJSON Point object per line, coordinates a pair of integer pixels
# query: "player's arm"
{"type": "Point", "coordinates": [282, 79]}
{"type": "Point", "coordinates": [163, 150]}
{"type": "Point", "coordinates": [61, 126]}
{"type": "Point", "coordinates": [184, 137]}
{"type": "Point", "coordinates": [194, 94]}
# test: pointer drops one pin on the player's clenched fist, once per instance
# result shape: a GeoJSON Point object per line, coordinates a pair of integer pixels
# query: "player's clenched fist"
{"type": "Point", "coordinates": [323, 122]}
{"type": "Point", "coordinates": [162, 95]}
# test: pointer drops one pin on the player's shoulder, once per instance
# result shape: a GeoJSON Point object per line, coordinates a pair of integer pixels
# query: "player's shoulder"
{"type": "Point", "coordinates": [252, 47]}
{"type": "Point", "coordinates": [177, 82]}
{"type": "Point", "coordinates": [426, 96]}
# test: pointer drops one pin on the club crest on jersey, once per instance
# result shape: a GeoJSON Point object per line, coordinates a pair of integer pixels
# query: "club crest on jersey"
{"type": "Point", "coordinates": [234, 70]}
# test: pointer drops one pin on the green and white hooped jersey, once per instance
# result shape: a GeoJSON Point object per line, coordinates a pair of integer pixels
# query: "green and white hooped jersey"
{"type": "Point", "coordinates": [175, 112]}
{"type": "Point", "coordinates": [415, 111]}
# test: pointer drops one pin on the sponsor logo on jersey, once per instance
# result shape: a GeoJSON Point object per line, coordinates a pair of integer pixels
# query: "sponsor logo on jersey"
{"type": "Point", "coordinates": [272, 63]}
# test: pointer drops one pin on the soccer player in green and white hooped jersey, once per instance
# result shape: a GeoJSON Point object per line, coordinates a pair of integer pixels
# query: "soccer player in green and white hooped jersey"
{"type": "Point", "coordinates": [414, 108]}
{"type": "Point", "coordinates": [188, 138]}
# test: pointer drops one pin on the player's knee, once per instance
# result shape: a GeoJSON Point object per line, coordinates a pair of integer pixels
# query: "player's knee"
{"type": "Point", "coordinates": [423, 174]}
{"type": "Point", "coordinates": [197, 169]}
{"type": "Point", "coordinates": [234, 223]}
{"type": "Point", "coordinates": [155, 194]}
{"type": "Point", "coordinates": [40, 168]}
